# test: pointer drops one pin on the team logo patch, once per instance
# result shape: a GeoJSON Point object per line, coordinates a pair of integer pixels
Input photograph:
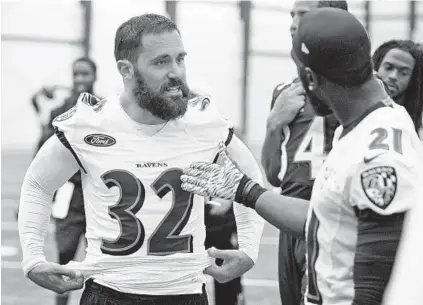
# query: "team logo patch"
{"type": "Point", "coordinates": [100, 140]}
{"type": "Point", "coordinates": [380, 185]}
{"type": "Point", "coordinates": [66, 115]}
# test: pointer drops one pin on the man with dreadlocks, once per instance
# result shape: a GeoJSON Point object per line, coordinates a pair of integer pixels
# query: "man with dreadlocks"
{"type": "Point", "coordinates": [399, 64]}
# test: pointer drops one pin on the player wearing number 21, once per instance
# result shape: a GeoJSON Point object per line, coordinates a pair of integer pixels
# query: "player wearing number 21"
{"type": "Point", "coordinates": [371, 177]}
{"type": "Point", "coordinates": [145, 234]}
{"type": "Point", "coordinates": [296, 144]}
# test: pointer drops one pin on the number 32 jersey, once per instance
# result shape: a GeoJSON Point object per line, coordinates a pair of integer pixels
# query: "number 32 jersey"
{"type": "Point", "coordinates": [375, 168]}
{"type": "Point", "coordinates": [145, 234]}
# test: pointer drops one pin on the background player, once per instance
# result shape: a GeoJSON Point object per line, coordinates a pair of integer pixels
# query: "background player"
{"type": "Point", "coordinates": [145, 234]}
{"type": "Point", "coordinates": [368, 182]}
{"type": "Point", "coordinates": [297, 142]}
{"type": "Point", "coordinates": [69, 229]}
{"type": "Point", "coordinates": [399, 63]}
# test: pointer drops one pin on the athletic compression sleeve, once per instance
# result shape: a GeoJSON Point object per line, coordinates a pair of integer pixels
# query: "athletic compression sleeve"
{"type": "Point", "coordinates": [51, 168]}
{"type": "Point", "coordinates": [249, 223]}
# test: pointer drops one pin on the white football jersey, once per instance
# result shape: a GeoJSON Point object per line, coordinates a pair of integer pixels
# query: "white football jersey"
{"type": "Point", "coordinates": [375, 166]}
{"type": "Point", "coordinates": [145, 234]}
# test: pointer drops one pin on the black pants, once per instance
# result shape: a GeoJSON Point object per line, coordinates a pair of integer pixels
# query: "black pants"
{"type": "Point", "coordinates": [292, 261]}
{"type": "Point", "coordinates": [227, 293]}
{"type": "Point", "coordinates": [96, 294]}
{"type": "Point", "coordinates": [291, 269]}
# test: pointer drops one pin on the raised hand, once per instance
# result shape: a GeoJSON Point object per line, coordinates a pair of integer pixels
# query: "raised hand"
{"type": "Point", "coordinates": [213, 180]}
{"type": "Point", "coordinates": [287, 105]}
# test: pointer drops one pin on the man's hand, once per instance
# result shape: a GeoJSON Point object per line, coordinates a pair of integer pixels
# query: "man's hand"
{"type": "Point", "coordinates": [213, 180]}
{"type": "Point", "coordinates": [235, 264]}
{"type": "Point", "coordinates": [57, 278]}
{"type": "Point", "coordinates": [287, 105]}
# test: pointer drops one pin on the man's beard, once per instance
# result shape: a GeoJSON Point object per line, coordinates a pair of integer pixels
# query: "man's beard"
{"type": "Point", "coordinates": [164, 108]}
{"type": "Point", "coordinates": [320, 108]}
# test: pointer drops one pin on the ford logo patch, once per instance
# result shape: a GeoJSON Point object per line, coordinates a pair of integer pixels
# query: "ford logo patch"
{"type": "Point", "coordinates": [100, 140]}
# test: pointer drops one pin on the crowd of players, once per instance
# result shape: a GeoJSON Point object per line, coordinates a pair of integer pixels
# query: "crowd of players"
{"type": "Point", "coordinates": [159, 255]}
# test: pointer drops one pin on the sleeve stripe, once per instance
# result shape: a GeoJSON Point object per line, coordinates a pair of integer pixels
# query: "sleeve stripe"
{"type": "Point", "coordinates": [227, 142]}
{"type": "Point", "coordinates": [65, 142]}
{"type": "Point", "coordinates": [229, 138]}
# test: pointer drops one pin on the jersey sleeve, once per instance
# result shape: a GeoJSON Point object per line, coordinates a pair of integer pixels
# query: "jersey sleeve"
{"type": "Point", "coordinates": [50, 169]}
{"type": "Point", "coordinates": [206, 121]}
{"type": "Point", "coordinates": [249, 223]}
{"type": "Point", "coordinates": [69, 126]}
{"type": "Point", "coordinates": [386, 183]}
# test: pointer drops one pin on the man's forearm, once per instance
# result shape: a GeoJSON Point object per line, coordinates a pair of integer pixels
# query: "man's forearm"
{"type": "Point", "coordinates": [277, 121]}
{"type": "Point", "coordinates": [34, 217]}
{"type": "Point", "coordinates": [286, 213]}
{"type": "Point", "coordinates": [271, 154]}
{"type": "Point", "coordinates": [50, 169]}
{"type": "Point", "coordinates": [250, 229]}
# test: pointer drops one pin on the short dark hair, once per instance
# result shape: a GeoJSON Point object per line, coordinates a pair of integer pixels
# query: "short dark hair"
{"type": "Point", "coordinates": [413, 95]}
{"type": "Point", "coordinates": [129, 34]}
{"type": "Point", "coordinates": [87, 60]}
{"type": "Point", "coordinates": [343, 5]}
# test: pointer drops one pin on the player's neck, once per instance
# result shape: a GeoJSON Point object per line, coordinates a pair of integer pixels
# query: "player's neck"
{"type": "Point", "coordinates": [136, 113]}
{"type": "Point", "coordinates": [352, 104]}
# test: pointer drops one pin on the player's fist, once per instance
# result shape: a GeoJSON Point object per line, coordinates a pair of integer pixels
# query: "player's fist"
{"type": "Point", "coordinates": [57, 278]}
{"type": "Point", "coordinates": [235, 263]}
{"type": "Point", "coordinates": [287, 105]}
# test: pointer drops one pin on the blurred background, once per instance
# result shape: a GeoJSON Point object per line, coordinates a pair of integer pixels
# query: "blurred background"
{"type": "Point", "coordinates": [237, 51]}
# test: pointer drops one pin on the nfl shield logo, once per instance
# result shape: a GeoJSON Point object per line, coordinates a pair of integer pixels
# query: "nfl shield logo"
{"type": "Point", "coordinates": [380, 185]}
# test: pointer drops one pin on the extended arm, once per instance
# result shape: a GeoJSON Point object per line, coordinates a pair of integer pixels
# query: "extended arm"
{"type": "Point", "coordinates": [249, 224]}
{"type": "Point", "coordinates": [51, 168]}
{"type": "Point", "coordinates": [228, 182]}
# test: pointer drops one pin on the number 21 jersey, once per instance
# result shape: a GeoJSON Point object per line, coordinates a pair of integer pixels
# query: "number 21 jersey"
{"type": "Point", "coordinates": [145, 234]}
{"type": "Point", "coordinates": [371, 174]}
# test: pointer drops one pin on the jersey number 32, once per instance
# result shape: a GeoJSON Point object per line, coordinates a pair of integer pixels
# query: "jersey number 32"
{"type": "Point", "coordinates": [166, 239]}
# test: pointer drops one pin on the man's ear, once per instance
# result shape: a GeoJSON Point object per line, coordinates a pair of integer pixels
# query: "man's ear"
{"type": "Point", "coordinates": [312, 79]}
{"type": "Point", "coordinates": [126, 69]}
